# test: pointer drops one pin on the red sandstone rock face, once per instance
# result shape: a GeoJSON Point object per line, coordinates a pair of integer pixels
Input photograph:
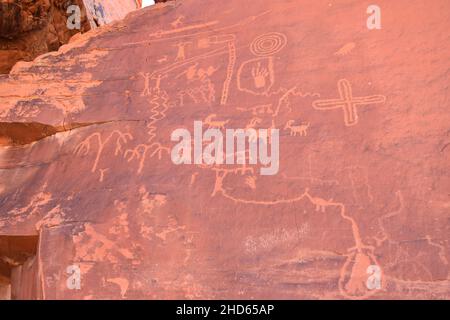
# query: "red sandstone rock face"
{"type": "Point", "coordinates": [364, 153]}
{"type": "Point", "coordinates": [29, 28]}
{"type": "Point", "coordinates": [32, 28]}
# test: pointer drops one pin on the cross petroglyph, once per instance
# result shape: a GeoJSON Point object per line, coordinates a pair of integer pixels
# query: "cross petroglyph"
{"type": "Point", "coordinates": [347, 102]}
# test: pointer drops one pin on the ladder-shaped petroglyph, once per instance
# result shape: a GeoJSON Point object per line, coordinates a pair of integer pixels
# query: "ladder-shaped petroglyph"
{"type": "Point", "coordinates": [347, 102]}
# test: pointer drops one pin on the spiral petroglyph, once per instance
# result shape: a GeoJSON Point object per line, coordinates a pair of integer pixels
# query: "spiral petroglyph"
{"type": "Point", "coordinates": [268, 44]}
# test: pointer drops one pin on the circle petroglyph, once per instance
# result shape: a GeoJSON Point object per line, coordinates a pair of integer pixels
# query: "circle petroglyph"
{"type": "Point", "coordinates": [268, 44]}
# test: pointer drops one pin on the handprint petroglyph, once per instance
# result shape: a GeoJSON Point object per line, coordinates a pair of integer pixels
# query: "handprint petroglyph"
{"type": "Point", "coordinates": [259, 75]}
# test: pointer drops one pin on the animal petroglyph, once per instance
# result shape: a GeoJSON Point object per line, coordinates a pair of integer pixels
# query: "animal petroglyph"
{"type": "Point", "coordinates": [347, 102]}
{"type": "Point", "coordinates": [209, 120]}
{"type": "Point", "coordinates": [300, 129]}
{"type": "Point", "coordinates": [346, 49]}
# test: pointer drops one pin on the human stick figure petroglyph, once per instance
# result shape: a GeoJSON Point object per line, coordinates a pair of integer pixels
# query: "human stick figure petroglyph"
{"type": "Point", "coordinates": [181, 54]}
{"type": "Point", "coordinates": [226, 45]}
{"type": "Point", "coordinates": [347, 102]}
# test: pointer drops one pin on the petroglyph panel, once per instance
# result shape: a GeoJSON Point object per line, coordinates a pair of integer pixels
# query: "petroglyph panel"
{"type": "Point", "coordinates": [358, 208]}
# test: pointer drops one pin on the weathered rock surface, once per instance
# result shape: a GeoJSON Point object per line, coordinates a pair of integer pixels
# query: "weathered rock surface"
{"type": "Point", "coordinates": [364, 182]}
{"type": "Point", "coordinates": [29, 28]}
{"type": "Point", "coordinates": [101, 12]}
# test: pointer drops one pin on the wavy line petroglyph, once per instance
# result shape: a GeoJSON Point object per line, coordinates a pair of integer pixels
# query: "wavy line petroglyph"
{"type": "Point", "coordinates": [159, 100]}
{"type": "Point", "coordinates": [284, 100]}
{"type": "Point", "coordinates": [347, 102]}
